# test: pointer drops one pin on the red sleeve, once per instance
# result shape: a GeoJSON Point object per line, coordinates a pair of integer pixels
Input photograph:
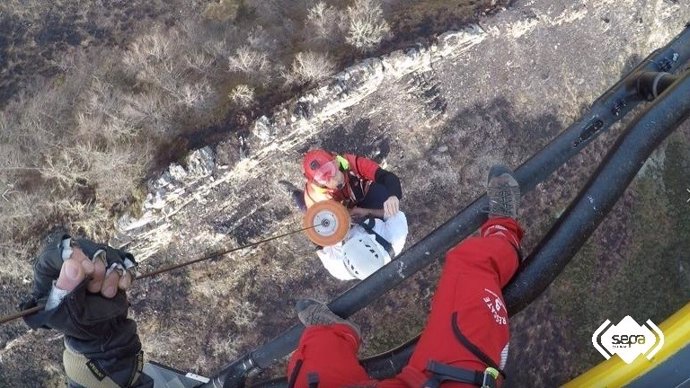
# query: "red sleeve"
{"type": "Point", "coordinates": [366, 168]}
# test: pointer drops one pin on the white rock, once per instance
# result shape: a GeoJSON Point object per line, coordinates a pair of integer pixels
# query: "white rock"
{"type": "Point", "coordinates": [177, 172]}
{"type": "Point", "coordinates": [201, 162]}
{"type": "Point", "coordinates": [126, 223]}
{"type": "Point", "coordinates": [263, 129]}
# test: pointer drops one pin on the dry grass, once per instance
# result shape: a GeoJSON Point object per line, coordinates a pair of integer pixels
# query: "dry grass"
{"type": "Point", "coordinates": [223, 10]}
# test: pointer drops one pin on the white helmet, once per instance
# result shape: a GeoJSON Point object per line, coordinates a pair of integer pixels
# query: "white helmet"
{"type": "Point", "coordinates": [363, 255]}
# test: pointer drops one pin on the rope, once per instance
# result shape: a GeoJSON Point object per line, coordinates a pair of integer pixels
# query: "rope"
{"type": "Point", "coordinates": [170, 268]}
{"type": "Point", "coordinates": [20, 314]}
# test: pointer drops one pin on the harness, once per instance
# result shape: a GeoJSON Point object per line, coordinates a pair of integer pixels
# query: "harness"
{"type": "Point", "coordinates": [312, 377]}
{"type": "Point", "coordinates": [442, 373]}
{"type": "Point", "coordinates": [357, 187]}
{"type": "Point", "coordinates": [368, 225]}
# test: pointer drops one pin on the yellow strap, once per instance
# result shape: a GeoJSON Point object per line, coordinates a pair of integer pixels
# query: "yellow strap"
{"type": "Point", "coordinates": [342, 162]}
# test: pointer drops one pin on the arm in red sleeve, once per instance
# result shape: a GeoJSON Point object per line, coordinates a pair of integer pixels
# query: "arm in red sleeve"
{"type": "Point", "coordinates": [364, 167]}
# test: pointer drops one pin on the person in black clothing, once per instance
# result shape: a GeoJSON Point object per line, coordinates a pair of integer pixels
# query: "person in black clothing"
{"type": "Point", "coordinates": [82, 285]}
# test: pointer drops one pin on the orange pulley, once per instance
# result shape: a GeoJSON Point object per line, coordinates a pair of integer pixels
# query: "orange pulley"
{"type": "Point", "coordinates": [329, 222]}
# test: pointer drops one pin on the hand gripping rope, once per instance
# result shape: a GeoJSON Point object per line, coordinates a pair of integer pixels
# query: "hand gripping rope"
{"type": "Point", "coordinates": [325, 223]}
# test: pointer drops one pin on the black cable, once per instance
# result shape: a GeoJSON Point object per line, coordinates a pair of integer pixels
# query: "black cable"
{"type": "Point", "coordinates": [39, 307]}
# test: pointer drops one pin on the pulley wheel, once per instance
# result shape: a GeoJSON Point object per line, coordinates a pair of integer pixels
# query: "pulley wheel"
{"type": "Point", "coordinates": [331, 221]}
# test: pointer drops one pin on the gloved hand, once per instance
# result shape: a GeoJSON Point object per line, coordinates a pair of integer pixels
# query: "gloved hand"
{"type": "Point", "coordinates": [80, 268]}
{"type": "Point", "coordinates": [78, 281]}
{"type": "Point", "coordinates": [113, 268]}
{"type": "Point", "coordinates": [107, 268]}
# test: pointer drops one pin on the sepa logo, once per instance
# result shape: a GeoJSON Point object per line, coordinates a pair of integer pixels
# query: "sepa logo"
{"type": "Point", "coordinates": [628, 339]}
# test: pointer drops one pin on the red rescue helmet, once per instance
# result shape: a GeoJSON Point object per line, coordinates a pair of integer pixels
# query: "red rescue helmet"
{"type": "Point", "coordinates": [315, 160]}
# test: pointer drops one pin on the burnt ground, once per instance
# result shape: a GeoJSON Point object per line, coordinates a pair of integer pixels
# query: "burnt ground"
{"type": "Point", "coordinates": [539, 67]}
{"type": "Point", "coordinates": [35, 37]}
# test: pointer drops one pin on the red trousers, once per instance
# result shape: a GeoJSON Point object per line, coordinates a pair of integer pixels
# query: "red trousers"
{"type": "Point", "coordinates": [470, 287]}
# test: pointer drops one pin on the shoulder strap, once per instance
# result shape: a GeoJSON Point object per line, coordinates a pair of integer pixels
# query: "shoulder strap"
{"type": "Point", "coordinates": [313, 380]}
{"type": "Point", "coordinates": [342, 162]}
{"type": "Point", "coordinates": [295, 372]}
{"type": "Point", "coordinates": [472, 347]}
{"type": "Point", "coordinates": [368, 225]}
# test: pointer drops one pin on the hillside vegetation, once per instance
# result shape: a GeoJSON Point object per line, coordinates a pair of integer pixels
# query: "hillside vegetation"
{"type": "Point", "coordinates": [97, 96]}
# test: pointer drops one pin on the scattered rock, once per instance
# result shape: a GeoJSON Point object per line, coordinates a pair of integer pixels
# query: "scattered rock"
{"type": "Point", "coordinates": [169, 192]}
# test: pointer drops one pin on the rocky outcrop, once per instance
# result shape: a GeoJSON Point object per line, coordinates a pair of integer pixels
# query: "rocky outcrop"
{"type": "Point", "coordinates": [352, 85]}
{"type": "Point", "coordinates": [179, 185]}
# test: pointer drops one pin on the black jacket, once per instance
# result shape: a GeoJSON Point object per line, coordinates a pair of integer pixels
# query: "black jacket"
{"type": "Point", "coordinates": [94, 326]}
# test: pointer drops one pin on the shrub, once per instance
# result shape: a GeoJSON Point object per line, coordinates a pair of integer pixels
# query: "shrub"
{"type": "Point", "coordinates": [242, 95]}
{"type": "Point", "coordinates": [367, 27]}
{"type": "Point", "coordinates": [326, 23]}
{"type": "Point", "coordinates": [248, 61]}
{"type": "Point", "coordinates": [308, 67]}
{"type": "Point", "coordinates": [100, 117]}
{"type": "Point", "coordinates": [150, 54]}
{"type": "Point", "coordinates": [196, 95]}
{"type": "Point", "coordinates": [175, 71]}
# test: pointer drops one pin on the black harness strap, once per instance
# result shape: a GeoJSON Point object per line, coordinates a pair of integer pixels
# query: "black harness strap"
{"type": "Point", "coordinates": [293, 376]}
{"type": "Point", "coordinates": [472, 347]}
{"type": "Point", "coordinates": [368, 225]}
{"type": "Point", "coordinates": [443, 373]}
{"type": "Point", "coordinates": [313, 380]}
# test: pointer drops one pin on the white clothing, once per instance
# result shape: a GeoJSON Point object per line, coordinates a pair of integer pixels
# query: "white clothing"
{"type": "Point", "coordinates": [394, 230]}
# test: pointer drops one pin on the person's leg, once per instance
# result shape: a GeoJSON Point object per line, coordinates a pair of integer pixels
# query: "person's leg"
{"type": "Point", "coordinates": [468, 306]}
{"type": "Point", "coordinates": [327, 350]}
{"type": "Point", "coordinates": [470, 290]}
{"type": "Point", "coordinates": [375, 197]}
{"type": "Point", "coordinates": [328, 353]}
